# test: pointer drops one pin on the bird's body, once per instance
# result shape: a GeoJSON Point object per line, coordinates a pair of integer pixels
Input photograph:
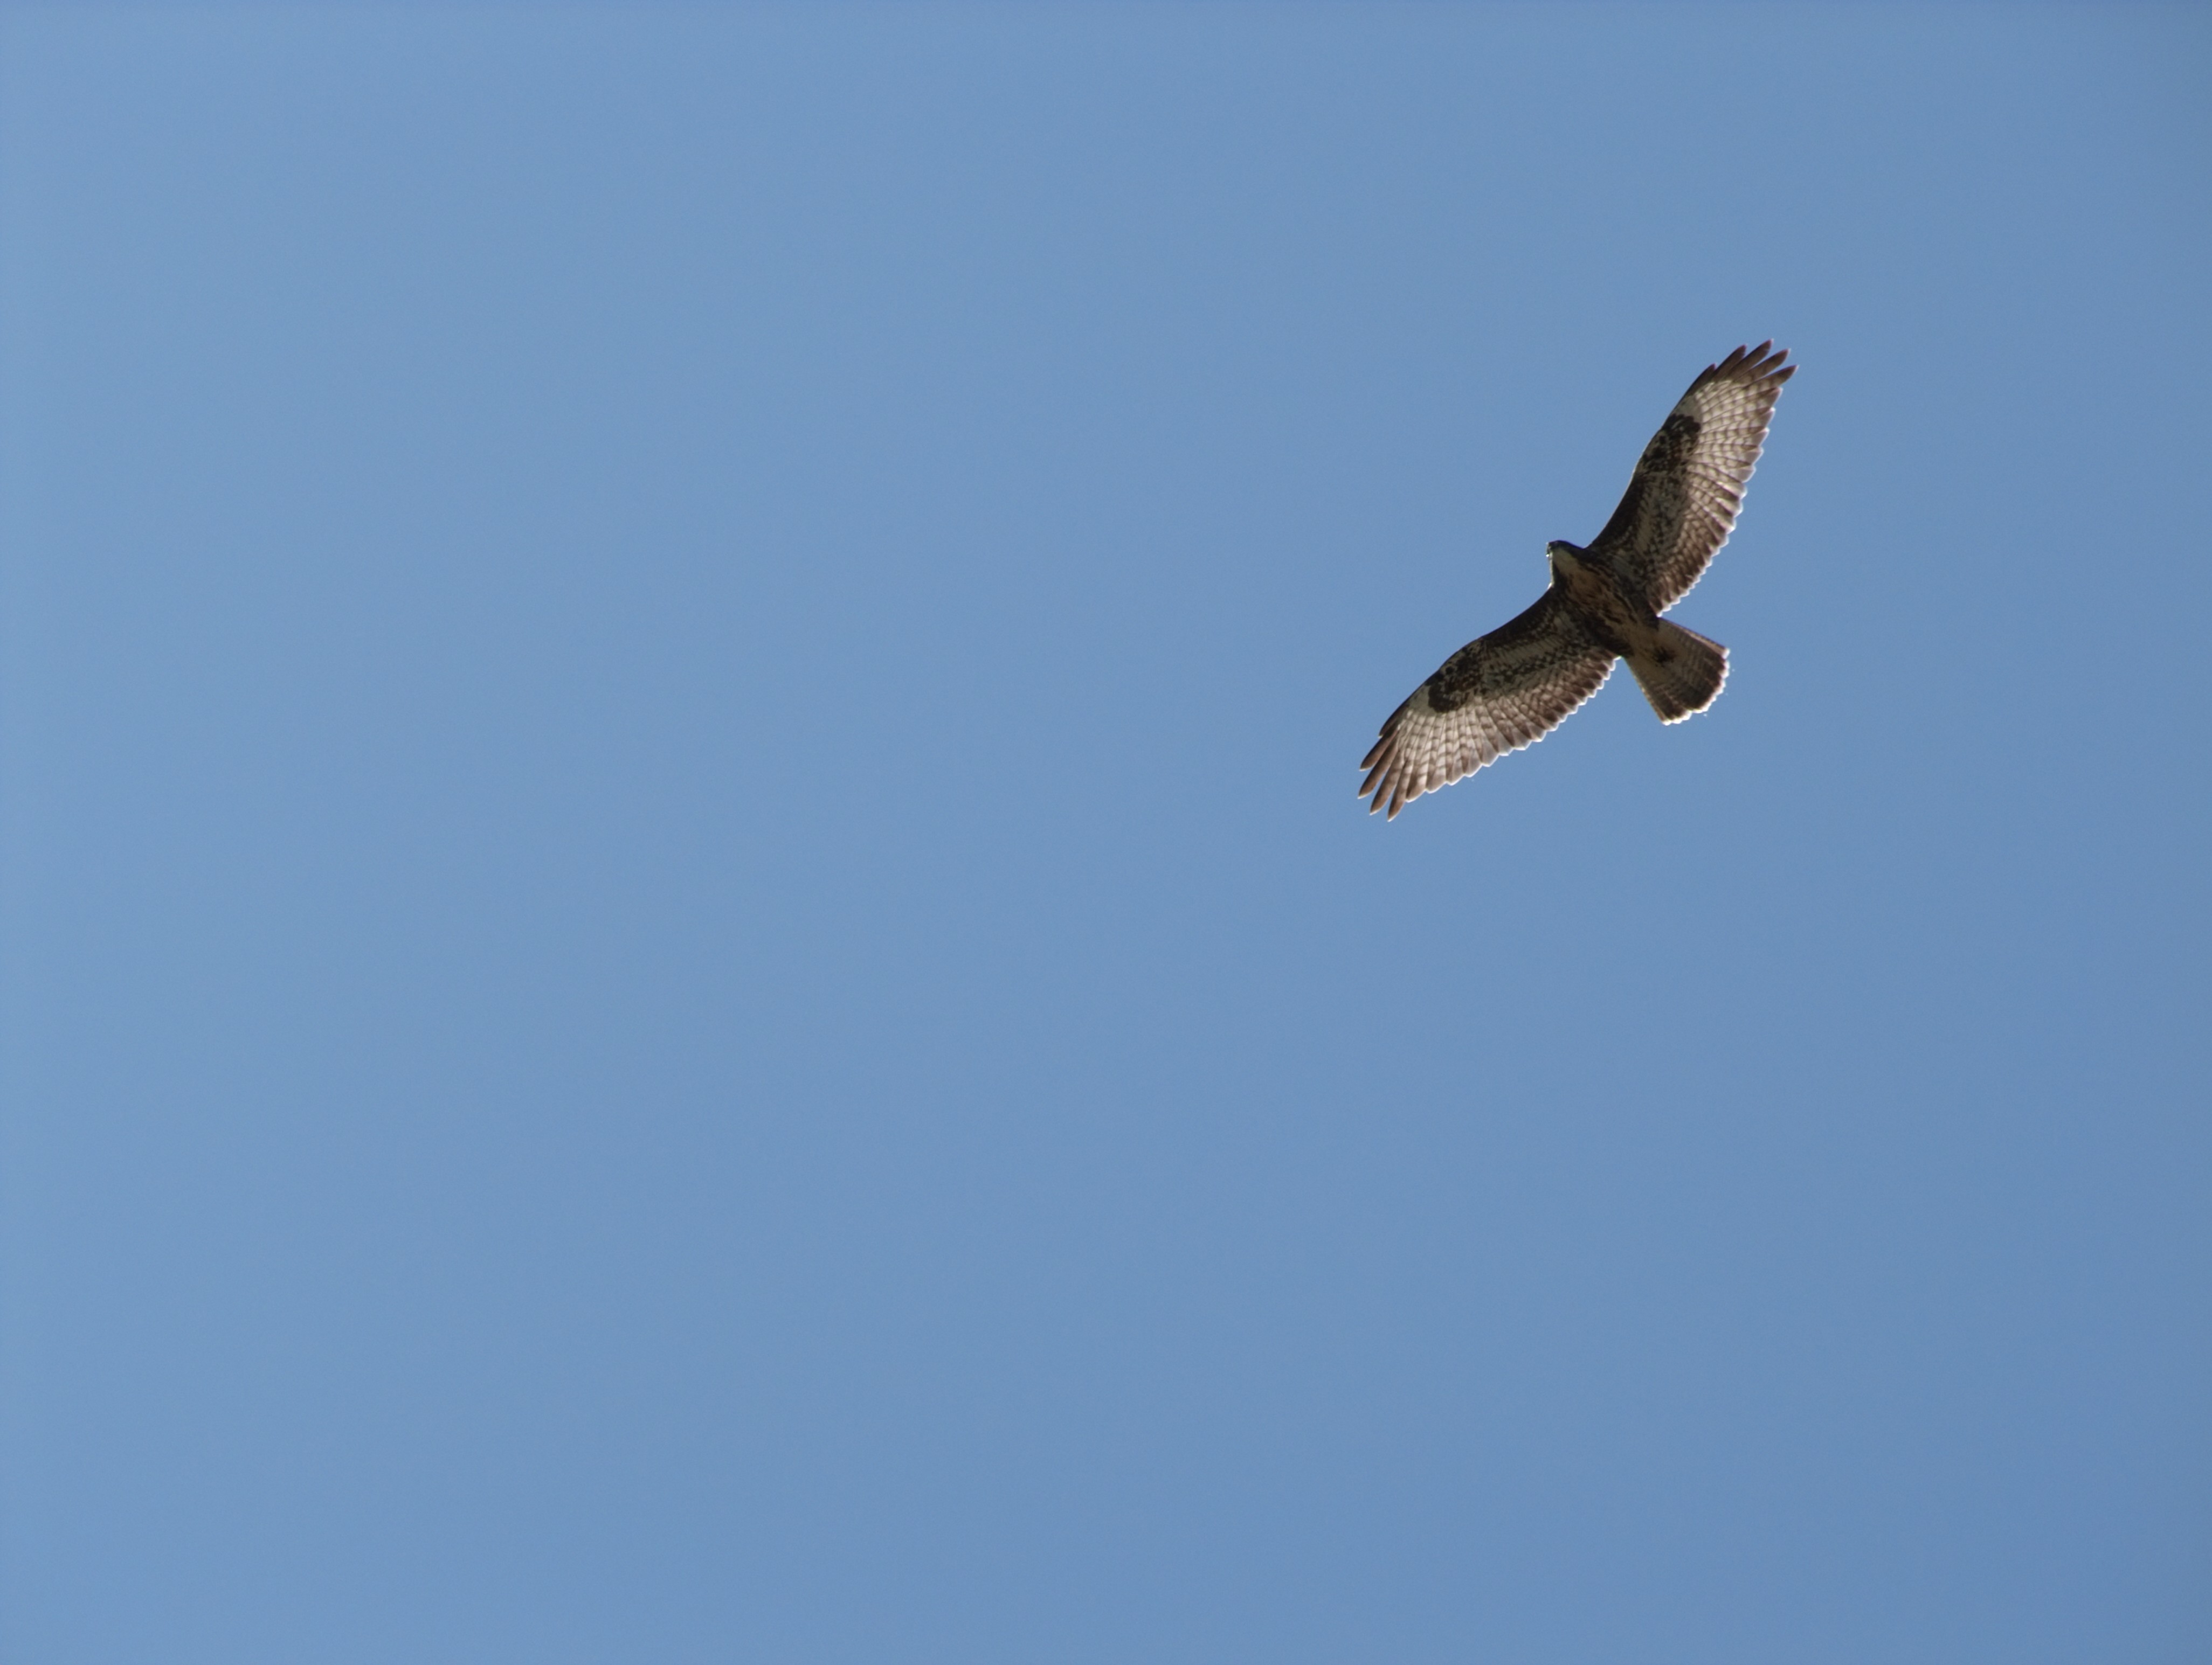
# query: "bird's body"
{"type": "Point", "coordinates": [1509, 688]}
{"type": "Point", "coordinates": [1680, 671]}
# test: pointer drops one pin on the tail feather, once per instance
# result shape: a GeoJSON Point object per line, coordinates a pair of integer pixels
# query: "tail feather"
{"type": "Point", "coordinates": [1681, 674]}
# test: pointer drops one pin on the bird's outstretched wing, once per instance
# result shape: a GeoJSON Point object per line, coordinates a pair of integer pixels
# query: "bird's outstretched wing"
{"type": "Point", "coordinates": [1681, 502]}
{"type": "Point", "coordinates": [1496, 694]}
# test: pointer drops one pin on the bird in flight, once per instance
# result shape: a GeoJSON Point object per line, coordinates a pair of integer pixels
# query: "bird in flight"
{"type": "Point", "coordinates": [1510, 688]}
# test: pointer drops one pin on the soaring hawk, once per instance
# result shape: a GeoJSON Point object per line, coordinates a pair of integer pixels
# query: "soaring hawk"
{"type": "Point", "coordinates": [1512, 687]}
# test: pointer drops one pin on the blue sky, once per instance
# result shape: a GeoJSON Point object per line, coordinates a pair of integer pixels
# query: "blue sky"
{"type": "Point", "coordinates": [690, 973]}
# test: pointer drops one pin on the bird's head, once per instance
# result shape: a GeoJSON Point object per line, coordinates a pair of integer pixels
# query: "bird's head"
{"type": "Point", "coordinates": [1565, 557]}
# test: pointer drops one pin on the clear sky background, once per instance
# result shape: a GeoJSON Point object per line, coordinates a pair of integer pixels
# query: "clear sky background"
{"type": "Point", "coordinates": [689, 970]}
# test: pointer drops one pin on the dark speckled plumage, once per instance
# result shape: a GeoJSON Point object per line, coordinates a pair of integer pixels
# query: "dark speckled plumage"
{"type": "Point", "coordinates": [1512, 687]}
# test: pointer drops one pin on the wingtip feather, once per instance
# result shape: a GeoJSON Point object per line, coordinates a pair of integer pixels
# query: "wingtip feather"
{"type": "Point", "coordinates": [1754, 366]}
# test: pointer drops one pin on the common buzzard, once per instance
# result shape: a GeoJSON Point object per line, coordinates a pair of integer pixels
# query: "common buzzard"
{"type": "Point", "coordinates": [1512, 687]}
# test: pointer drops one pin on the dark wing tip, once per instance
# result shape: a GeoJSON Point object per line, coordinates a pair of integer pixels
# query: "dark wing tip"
{"type": "Point", "coordinates": [1385, 785]}
{"type": "Point", "coordinates": [1753, 366]}
{"type": "Point", "coordinates": [1385, 780]}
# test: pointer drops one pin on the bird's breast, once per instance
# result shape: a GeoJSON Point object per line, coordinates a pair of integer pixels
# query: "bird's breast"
{"type": "Point", "coordinates": [1611, 615]}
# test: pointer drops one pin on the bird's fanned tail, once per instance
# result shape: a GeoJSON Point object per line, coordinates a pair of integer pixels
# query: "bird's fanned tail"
{"type": "Point", "coordinates": [1681, 674]}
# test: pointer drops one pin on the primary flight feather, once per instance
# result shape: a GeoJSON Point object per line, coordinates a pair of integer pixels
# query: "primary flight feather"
{"type": "Point", "coordinates": [1512, 687]}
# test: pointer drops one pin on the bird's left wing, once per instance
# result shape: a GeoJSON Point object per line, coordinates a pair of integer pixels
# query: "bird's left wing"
{"type": "Point", "coordinates": [1496, 694]}
{"type": "Point", "coordinates": [1681, 502]}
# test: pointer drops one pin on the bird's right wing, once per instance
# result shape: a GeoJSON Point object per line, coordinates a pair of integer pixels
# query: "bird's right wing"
{"type": "Point", "coordinates": [1682, 500]}
{"type": "Point", "coordinates": [1496, 694]}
